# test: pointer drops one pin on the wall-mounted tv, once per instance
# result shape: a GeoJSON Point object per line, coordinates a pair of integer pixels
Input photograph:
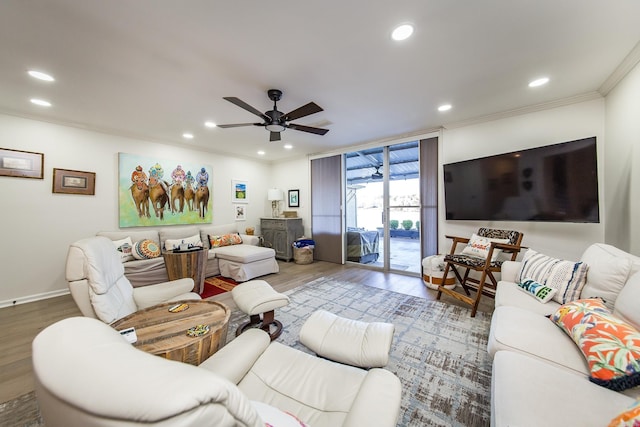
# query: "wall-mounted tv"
{"type": "Point", "coordinates": [555, 183]}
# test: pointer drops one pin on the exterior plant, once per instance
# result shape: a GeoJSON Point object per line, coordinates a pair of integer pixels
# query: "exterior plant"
{"type": "Point", "coordinates": [394, 224]}
{"type": "Point", "coordinates": [407, 224]}
{"type": "Point", "coordinates": [418, 226]}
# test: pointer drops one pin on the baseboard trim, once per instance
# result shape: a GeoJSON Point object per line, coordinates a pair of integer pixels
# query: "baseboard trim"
{"type": "Point", "coordinates": [32, 298]}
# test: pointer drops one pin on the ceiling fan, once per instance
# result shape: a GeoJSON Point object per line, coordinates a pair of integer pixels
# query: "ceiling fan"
{"type": "Point", "coordinates": [377, 174]}
{"type": "Point", "coordinates": [275, 121]}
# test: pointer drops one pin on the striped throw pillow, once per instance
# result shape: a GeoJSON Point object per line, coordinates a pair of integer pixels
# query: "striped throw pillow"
{"type": "Point", "coordinates": [567, 277]}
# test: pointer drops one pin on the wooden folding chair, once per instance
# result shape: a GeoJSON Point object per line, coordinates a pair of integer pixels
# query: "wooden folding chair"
{"type": "Point", "coordinates": [462, 265]}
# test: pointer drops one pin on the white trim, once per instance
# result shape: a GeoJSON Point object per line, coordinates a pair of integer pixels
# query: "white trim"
{"type": "Point", "coordinates": [627, 64]}
{"type": "Point", "coordinates": [32, 298]}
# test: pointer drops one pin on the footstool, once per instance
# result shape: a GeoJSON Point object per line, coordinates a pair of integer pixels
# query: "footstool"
{"type": "Point", "coordinates": [347, 341]}
{"type": "Point", "coordinates": [244, 262]}
{"type": "Point", "coordinates": [255, 298]}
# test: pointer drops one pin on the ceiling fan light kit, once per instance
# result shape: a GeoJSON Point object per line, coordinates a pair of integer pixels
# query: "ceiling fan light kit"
{"type": "Point", "coordinates": [275, 121]}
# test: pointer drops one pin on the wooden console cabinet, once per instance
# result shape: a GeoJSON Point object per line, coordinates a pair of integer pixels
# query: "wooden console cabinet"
{"type": "Point", "coordinates": [280, 233]}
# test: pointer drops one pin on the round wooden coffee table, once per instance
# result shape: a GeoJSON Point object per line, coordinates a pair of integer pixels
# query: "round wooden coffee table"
{"type": "Point", "coordinates": [164, 333]}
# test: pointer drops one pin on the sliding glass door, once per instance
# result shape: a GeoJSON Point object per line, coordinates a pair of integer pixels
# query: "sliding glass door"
{"type": "Point", "coordinates": [383, 207]}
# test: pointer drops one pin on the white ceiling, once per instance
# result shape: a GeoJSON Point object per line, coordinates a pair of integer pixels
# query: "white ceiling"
{"type": "Point", "coordinates": [154, 69]}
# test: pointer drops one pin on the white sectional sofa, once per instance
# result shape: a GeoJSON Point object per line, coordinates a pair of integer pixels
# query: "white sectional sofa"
{"type": "Point", "coordinates": [540, 376]}
{"type": "Point", "coordinates": [241, 262]}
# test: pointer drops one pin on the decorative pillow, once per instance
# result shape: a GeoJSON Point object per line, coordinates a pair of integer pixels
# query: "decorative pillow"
{"type": "Point", "coordinates": [225, 240]}
{"type": "Point", "coordinates": [540, 292]}
{"type": "Point", "coordinates": [146, 249]}
{"type": "Point", "coordinates": [274, 417]}
{"type": "Point", "coordinates": [629, 418]}
{"type": "Point", "coordinates": [193, 241]}
{"type": "Point", "coordinates": [479, 247]}
{"type": "Point", "coordinates": [567, 277]}
{"type": "Point", "coordinates": [124, 247]}
{"type": "Point", "coordinates": [610, 345]}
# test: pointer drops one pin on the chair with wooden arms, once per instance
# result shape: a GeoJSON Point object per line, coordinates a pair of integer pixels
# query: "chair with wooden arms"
{"type": "Point", "coordinates": [484, 253]}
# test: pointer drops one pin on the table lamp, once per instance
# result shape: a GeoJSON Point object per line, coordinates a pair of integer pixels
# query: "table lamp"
{"type": "Point", "coordinates": [274, 195]}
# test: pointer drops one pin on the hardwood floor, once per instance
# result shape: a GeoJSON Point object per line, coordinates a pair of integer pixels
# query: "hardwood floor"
{"type": "Point", "coordinates": [21, 323]}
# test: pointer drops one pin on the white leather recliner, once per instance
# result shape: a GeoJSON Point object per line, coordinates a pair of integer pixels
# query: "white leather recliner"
{"type": "Point", "coordinates": [87, 375]}
{"type": "Point", "coordinates": [101, 290]}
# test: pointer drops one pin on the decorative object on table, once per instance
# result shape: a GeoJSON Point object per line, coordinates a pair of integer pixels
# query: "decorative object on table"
{"type": "Point", "coordinates": [274, 196]}
{"type": "Point", "coordinates": [198, 330]}
{"type": "Point", "coordinates": [239, 191]}
{"type": "Point", "coordinates": [149, 187]}
{"type": "Point", "coordinates": [21, 164]}
{"type": "Point", "coordinates": [178, 307]}
{"type": "Point", "coordinates": [240, 212]}
{"type": "Point", "coordinates": [290, 214]}
{"type": "Point", "coordinates": [249, 231]}
{"type": "Point", "coordinates": [294, 198]}
{"type": "Point", "coordinates": [74, 182]}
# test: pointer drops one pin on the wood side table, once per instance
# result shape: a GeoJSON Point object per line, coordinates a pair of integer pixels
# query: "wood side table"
{"type": "Point", "coordinates": [163, 333]}
{"type": "Point", "coordinates": [187, 264]}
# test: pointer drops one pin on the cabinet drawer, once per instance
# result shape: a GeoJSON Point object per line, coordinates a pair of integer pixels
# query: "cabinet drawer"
{"type": "Point", "coordinates": [273, 224]}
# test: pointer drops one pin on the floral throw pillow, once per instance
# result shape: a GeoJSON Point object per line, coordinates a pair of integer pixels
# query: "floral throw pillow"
{"type": "Point", "coordinates": [629, 418]}
{"type": "Point", "coordinates": [225, 240]}
{"type": "Point", "coordinates": [610, 345]}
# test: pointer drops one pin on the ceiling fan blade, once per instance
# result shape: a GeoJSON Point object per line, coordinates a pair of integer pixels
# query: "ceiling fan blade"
{"type": "Point", "coordinates": [309, 129]}
{"type": "Point", "coordinates": [240, 103]}
{"type": "Point", "coordinates": [274, 136]}
{"type": "Point", "coordinates": [305, 110]}
{"type": "Point", "coordinates": [236, 125]}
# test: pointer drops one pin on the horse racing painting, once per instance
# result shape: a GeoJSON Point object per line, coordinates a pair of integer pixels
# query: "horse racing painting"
{"type": "Point", "coordinates": [156, 192]}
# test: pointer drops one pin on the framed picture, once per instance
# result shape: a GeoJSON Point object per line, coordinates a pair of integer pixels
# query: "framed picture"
{"type": "Point", "coordinates": [74, 182]}
{"type": "Point", "coordinates": [240, 212]}
{"type": "Point", "coordinates": [156, 191]}
{"type": "Point", "coordinates": [294, 198]}
{"type": "Point", "coordinates": [21, 164]}
{"type": "Point", "coordinates": [239, 191]}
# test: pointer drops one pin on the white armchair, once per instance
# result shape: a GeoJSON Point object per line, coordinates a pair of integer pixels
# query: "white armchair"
{"type": "Point", "coordinates": [86, 374]}
{"type": "Point", "coordinates": [101, 290]}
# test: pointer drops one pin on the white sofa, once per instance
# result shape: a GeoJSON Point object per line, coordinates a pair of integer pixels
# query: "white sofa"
{"type": "Point", "coordinates": [540, 376]}
{"type": "Point", "coordinates": [86, 374]}
{"type": "Point", "coordinates": [239, 262]}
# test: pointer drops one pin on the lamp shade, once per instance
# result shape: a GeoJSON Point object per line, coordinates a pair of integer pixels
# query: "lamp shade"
{"type": "Point", "coordinates": [274, 194]}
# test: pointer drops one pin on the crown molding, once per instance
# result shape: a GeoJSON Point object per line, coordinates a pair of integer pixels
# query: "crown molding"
{"type": "Point", "coordinates": [627, 64]}
{"type": "Point", "coordinates": [589, 96]}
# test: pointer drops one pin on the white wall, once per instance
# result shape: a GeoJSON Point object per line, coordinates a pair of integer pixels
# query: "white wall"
{"type": "Point", "coordinates": [622, 161]}
{"type": "Point", "coordinates": [38, 226]}
{"type": "Point", "coordinates": [586, 119]}
{"type": "Point", "coordinates": [294, 171]}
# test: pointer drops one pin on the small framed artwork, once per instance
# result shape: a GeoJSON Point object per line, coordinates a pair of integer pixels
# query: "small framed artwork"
{"type": "Point", "coordinates": [21, 164]}
{"type": "Point", "coordinates": [74, 182]}
{"type": "Point", "coordinates": [294, 198]}
{"type": "Point", "coordinates": [239, 191]}
{"type": "Point", "coordinates": [240, 212]}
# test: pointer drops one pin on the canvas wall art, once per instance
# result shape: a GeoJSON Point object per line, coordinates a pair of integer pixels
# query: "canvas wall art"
{"type": "Point", "coordinates": [155, 192]}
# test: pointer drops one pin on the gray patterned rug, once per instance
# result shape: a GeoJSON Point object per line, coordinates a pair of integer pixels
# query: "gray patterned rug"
{"type": "Point", "coordinates": [438, 351]}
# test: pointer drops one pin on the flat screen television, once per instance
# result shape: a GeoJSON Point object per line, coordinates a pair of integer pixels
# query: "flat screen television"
{"type": "Point", "coordinates": [555, 183]}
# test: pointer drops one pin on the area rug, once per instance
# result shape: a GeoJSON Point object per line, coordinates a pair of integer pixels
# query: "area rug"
{"type": "Point", "coordinates": [438, 351]}
{"type": "Point", "coordinates": [217, 285]}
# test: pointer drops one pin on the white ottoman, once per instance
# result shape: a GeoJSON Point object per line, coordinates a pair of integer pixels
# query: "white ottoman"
{"type": "Point", "coordinates": [244, 262]}
{"type": "Point", "coordinates": [255, 298]}
{"type": "Point", "coordinates": [347, 341]}
{"type": "Point", "coordinates": [433, 270]}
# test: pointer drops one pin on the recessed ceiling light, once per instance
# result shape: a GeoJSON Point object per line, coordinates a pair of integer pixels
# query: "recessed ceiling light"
{"type": "Point", "coordinates": [402, 32]}
{"type": "Point", "coordinates": [261, 153]}
{"type": "Point", "coordinates": [539, 82]}
{"type": "Point", "coordinates": [288, 146]}
{"type": "Point", "coordinates": [40, 75]}
{"type": "Point", "coordinates": [40, 102]}
{"type": "Point", "coordinates": [210, 124]}
{"type": "Point", "coordinates": [445, 107]}
{"type": "Point", "coordinates": [187, 135]}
